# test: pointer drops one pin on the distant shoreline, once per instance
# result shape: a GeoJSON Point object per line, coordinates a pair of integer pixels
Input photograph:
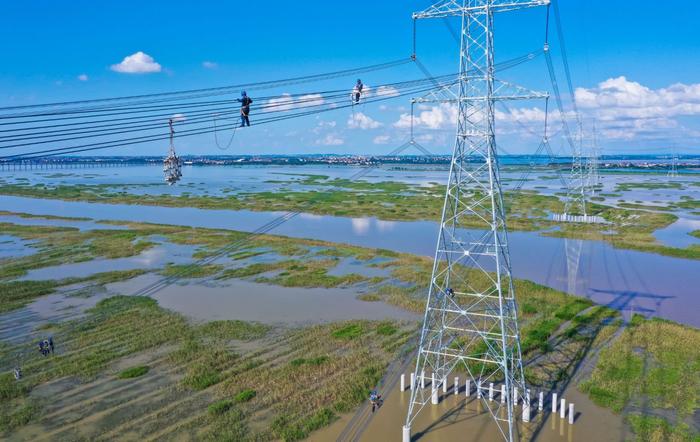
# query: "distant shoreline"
{"type": "Point", "coordinates": [647, 162]}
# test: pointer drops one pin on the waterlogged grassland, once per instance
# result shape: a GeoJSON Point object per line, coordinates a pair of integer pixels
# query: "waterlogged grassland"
{"type": "Point", "coordinates": [386, 200]}
{"type": "Point", "coordinates": [226, 380]}
{"type": "Point", "coordinates": [633, 224]}
{"type": "Point", "coordinates": [625, 187]}
{"type": "Point", "coordinates": [17, 294]}
{"type": "Point", "coordinates": [47, 217]}
{"type": "Point", "coordinates": [241, 381]}
{"type": "Point", "coordinates": [633, 229]}
{"type": "Point", "coordinates": [304, 263]}
{"type": "Point", "coordinates": [64, 245]}
{"type": "Point", "coordinates": [651, 374]}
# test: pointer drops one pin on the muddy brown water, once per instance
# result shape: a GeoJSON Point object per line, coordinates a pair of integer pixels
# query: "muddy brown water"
{"type": "Point", "coordinates": [250, 301]}
{"type": "Point", "coordinates": [466, 419]}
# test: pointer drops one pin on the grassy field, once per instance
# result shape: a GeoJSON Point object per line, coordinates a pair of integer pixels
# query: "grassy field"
{"type": "Point", "coordinates": [631, 224]}
{"type": "Point", "coordinates": [131, 367]}
{"type": "Point", "coordinates": [650, 372]}
{"type": "Point", "coordinates": [289, 384]}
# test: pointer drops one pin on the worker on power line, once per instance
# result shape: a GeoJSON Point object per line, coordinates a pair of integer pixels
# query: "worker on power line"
{"type": "Point", "coordinates": [245, 108]}
{"type": "Point", "coordinates": [357, 91]}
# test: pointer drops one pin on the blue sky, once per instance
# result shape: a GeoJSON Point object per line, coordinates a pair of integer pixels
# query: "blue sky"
{"type": "Point", "coordinates": [627, 63]}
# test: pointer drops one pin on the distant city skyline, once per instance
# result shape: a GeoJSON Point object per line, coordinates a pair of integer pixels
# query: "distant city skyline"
{"type": "Point", "coordinates": [635, 78]}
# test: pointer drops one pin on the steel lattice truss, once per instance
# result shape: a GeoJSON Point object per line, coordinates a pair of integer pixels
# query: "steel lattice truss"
{"type": "Point", "coordinates": [593, 174]}
{"type": "Point", "coordinates": [577, 193]}
{"type": "Point", "coordinates": [470, 324]}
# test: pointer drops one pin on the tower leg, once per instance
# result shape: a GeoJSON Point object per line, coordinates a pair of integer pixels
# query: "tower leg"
{"type": "Point", "coordinates": [406, 433]}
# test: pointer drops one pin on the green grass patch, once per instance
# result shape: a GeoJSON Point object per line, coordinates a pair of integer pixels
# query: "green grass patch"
{"type": "Point", "coordinates": [201, 377]}
{"type": "Point", "coordinates": [133, 372]}
{"type": "Point", "coordinates": [349, 332]}
{"type": "Point", "coordinates": [654, 360]}
{"type": "Point", "coordinates": [16, 294]}
{"type": "Point", "coordinates": [220, 407]}
{"type": "Point", "coordinates": [245, 396]}
{"type": "Point", "coordinates": [624, 187]}
{"type": "Point", "coordinates": [653, 428]}
{"type": "Point", "coordinates": [11, 418]}
{"type": "Point", "coordinates": [309, 361]}
{"type": "Point", "coordinates": [386, 329]}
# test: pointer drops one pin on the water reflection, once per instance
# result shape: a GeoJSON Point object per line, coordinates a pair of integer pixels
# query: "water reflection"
{"type": "Point", "coordinates": [360, 226]}
{"type": "Point", "coordinates": [540, 259]}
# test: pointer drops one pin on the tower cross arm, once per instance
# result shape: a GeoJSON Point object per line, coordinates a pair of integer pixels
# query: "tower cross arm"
{"type": "Point", "coordinates": [450, 8]}
{"type": "Point", "coordinates": [503, 91]}
{"type": "Point", "coordinates": [478, 98]}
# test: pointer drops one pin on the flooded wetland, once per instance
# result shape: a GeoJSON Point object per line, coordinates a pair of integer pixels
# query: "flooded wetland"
{"type": "Point", "coordinates": [175, 316]}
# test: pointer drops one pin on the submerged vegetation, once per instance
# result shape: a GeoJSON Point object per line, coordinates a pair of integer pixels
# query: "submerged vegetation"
{"type": "Point", "coordinates": [219, 386]}
{"type": "Point", "coordinates": [630, 225]}
{"type": "Point", "coordinates": [17, 294]}
{"type": "Point", "coordinates": [133, 372]}
{"type": "Point", "coordinates": [240, 380]}
{"type": "Point", "coordinates": [654, 365]}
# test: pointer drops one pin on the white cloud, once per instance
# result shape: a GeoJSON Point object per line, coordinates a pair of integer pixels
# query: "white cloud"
{"type": "Point", "coordinates": [387, 91]}
{"type": "Point", "coordinates": [619, 97]}
{"type": "Point", "coordinates": [138, 63]}
{"type": "Point", "coordinates": [323, 125]}
{"type": "Point", "coordinates": [286, 102]}
{"type": "Point", "coordinates": [210, 65]}
{"type": "Point", "coordinates": [381, 139]}
{"type": "Point", "coordinates": [622, 110]}
{"type": "Point", "coordinates": [442, 116]}
{"type": "Point", "coordinates": [310, 100]}
{"type": "Point", "coordinates": [83, 77]}
{"type": "Point", "coordinates": [283, 103]}
{"type": "Point", "coordinates": [626, 109]}
{"type": "Point", "coordinates": [524, 115]}
{"type": "Point", "coordinates": [358, 120]}
{"type": "Point", "coordinates": [178, 118]}
{"type": "Point", "coordinates": [331, 140]}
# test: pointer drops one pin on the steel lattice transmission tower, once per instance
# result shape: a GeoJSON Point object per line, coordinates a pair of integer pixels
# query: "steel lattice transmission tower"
{"type": "Point", "coordinates": [593, 160]}
{"type": "Point", "coordinates": [470, 322]}
{"type": "Point", "coordinates": [578, 184]}
{"type": "Point", "coordinates": [673, 171]}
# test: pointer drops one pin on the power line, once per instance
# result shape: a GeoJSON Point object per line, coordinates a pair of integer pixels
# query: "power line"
{"type": "Point", "coordinates": [282, 104]}
{"type": "Point", "coordinates": [190, 132]}
{"type": "Point", "coordinates": [226, 89]}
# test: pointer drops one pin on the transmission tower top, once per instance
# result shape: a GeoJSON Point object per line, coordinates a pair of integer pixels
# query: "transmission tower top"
{"type": "Point", "coordinates": [452, 8]}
